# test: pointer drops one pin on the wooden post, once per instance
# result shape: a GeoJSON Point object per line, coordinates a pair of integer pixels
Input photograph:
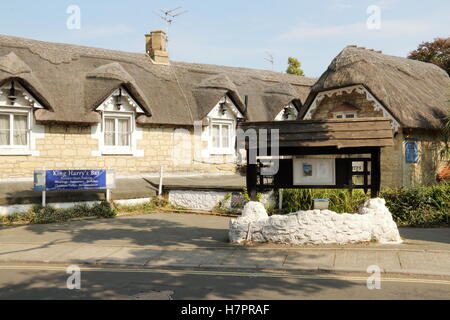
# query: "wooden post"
{"type": "Point", "coordinates": [251, 177]}
{"type": "Point", "coordinates": [376, 173]}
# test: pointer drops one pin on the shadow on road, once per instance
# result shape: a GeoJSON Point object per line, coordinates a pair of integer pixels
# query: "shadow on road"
{"type": "Point", "coordinates": [44, 285]}
{"type": "Point", "coordinates": [142, 230]}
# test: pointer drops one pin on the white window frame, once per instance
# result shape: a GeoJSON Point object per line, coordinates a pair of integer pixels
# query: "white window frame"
{"type": "Point", "coordinates": [345, 114]}
{"type": "Point", "coordinates": [231, 136]}
{"type": "Point", "coordinates": [11, 112]}
{"type": "Point", "coordinates": [116, 149]}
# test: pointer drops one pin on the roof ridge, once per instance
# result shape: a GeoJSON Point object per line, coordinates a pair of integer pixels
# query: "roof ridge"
{"type": "Point", "coordinates": [400, 58]}
{"type": "Point", "coordinates": [208, 65]}
{"type": "Point", "coordinates": [61, 45]}
{"type": "Point", "coordinates": [75, 50]}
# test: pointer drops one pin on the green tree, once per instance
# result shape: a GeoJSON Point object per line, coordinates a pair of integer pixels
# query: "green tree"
{"type": "Point", "coordinates": [436, 52]}
{"type": "Point", "coordinates": [294, 67]}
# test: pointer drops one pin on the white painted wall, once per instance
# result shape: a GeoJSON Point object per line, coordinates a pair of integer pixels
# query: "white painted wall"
{"type": "Point", "coordinates": [205, 200]}
{"type": "Point", "coordinates": [293, 113]}
{"type": "Point", "coordinates": [196, 200]}
{"type": "Point", "coordinates": [374, 223]}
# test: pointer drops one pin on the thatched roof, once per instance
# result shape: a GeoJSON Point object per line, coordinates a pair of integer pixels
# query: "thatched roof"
{"type": "Point", "coordinates": [413, 92]}
{"type": "Point", "coordinates": [279, 95]}
{"type": "Point", "coordinates": [71, 81]}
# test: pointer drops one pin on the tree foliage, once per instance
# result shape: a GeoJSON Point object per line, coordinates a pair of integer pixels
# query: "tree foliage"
{"type": "Point", "coordinates": [446, 130]}
{"type": "Point", "coordinates": [294, 67]}
{"type": "Point", "coordinates": [436, 52]}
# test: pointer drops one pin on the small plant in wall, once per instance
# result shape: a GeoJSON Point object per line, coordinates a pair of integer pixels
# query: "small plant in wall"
{"type": "Point", "coordinates": [245, 195]}
{"type": "Point", "coordinates": [222, 207]}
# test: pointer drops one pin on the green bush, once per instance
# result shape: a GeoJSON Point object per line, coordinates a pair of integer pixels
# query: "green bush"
{"type": "Point", "coordinates": [144, 208]}
{"type": "Point", "coordinates": [103, 210]}
{"type": "Point", "coordinates": [43, 215]}
{"type": "Point", "coordinates": [416, 206]}
{"type": "Point", "coordinates": [342, 201]}
{"type": "Point", "coordinates": [419, 206]}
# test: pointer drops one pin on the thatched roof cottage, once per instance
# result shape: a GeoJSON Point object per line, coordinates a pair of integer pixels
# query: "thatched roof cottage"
{"type": "Point", "coordinates": [72, 107]}
{"type": "Point", "coordinates": [415, 95]}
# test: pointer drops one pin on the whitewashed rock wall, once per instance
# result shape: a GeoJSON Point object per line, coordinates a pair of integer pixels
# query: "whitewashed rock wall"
{"type": "Point", "coordinates": [206, 200]}
{"type": "Point", "coordinates": [374, 223]}
{"type": "Point", "coordinates": [195, 199]}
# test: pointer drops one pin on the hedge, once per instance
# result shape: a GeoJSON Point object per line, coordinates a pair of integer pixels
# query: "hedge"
{"type": "Point", "coordinates": [416, 206]}
{"type": "Point", "coordinates": [41, 215]}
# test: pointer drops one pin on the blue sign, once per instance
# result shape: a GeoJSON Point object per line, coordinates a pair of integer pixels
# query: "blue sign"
{"type": "Point", "coordinates": [54, 180]}
{"type": "Point", "coordinates": [412, 151]}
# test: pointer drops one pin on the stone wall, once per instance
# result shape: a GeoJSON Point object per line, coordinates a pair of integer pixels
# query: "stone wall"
{"type": "Point", "coordinates": [392, 161]}
{"type": "Point", "coordinates": [431, 161]}
{"type": "Point", "coordinates": [391, 157]}
{"type": "Point", "coordinates": [395, 172]}
{"type": "Point", "coordinates": [366, 107]}
{"type": "Point", "coordinates": [209, 200]}
{"type": "Point", "coordinates": [72, 147]}
{"type": "Point", "coordinates": [196, 199]}
{"type": "Point", "coordinates": [374, 223]}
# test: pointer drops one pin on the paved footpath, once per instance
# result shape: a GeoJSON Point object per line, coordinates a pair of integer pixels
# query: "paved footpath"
{"type": "Point", "coordinates": [201, 241]}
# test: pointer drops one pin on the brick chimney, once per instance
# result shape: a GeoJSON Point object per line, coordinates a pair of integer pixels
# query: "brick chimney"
{"type": "Point", "coordinates": [156, 47]}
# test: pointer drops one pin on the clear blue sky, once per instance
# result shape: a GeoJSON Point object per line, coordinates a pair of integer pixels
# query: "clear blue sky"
{"type": "Point", "coordinates": [236, 32]}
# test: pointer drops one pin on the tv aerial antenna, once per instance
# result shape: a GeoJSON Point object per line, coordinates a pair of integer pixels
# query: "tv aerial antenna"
{"type": "Point", "coordinates": [270, 59]}
{"type": "Point", "coordinates": [169, 16]}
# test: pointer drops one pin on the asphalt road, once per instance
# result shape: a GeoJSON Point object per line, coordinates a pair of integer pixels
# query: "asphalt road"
{"type": "Point", "coordinates": [44, 282]}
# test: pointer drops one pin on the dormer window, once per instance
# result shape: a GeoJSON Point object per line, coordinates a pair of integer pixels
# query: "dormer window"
{"type": "Point", "coordinates": [345, 115]}
{"type": "Point", "coordinates": [118, 129]}
{"type": "Point", "coordinates": [16, 120]}
{"type": "Point", "coordinates": [345, 111]}
{"type": "Point", "coordinates": [222, 127]}
{"type": "Point", "coordinates": [14, 129]}
{"type": "Point", "coordinates": [221, 137]}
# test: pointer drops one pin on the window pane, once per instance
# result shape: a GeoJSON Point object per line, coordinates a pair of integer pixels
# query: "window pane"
{"type": "Point", "coordinates": [339, 116]}
{"type": "Point", "coordinates": [349, 116]}
{"type": "Point", "coordinates": [124, 132]}
{"type": "Point", "coordinates": [358, 166]}
{"type": "Point", "coordinates": [110, 137]}
{"type": "Point", "coordinates": [20, 130]}
{"type": "Point", "coordinates": [358, 180]}
{"type": "Point", "coordinates": [215, 133]}
{"type": "Point", "coordinates": [225, 136]}
{"type": "Point", "coordinates": [4, 129]}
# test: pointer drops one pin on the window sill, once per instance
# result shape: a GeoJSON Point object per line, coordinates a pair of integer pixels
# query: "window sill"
{"type": "Point", "coordinates": [222, 152]}
{"type": "Point", "coordinates": [117, 152]}
{"type": "Point", "coordinates": [134, 153]}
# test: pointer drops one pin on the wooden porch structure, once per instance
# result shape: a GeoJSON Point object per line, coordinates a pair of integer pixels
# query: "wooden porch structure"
{"type": "Point", "coordinates": [347, 140]}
